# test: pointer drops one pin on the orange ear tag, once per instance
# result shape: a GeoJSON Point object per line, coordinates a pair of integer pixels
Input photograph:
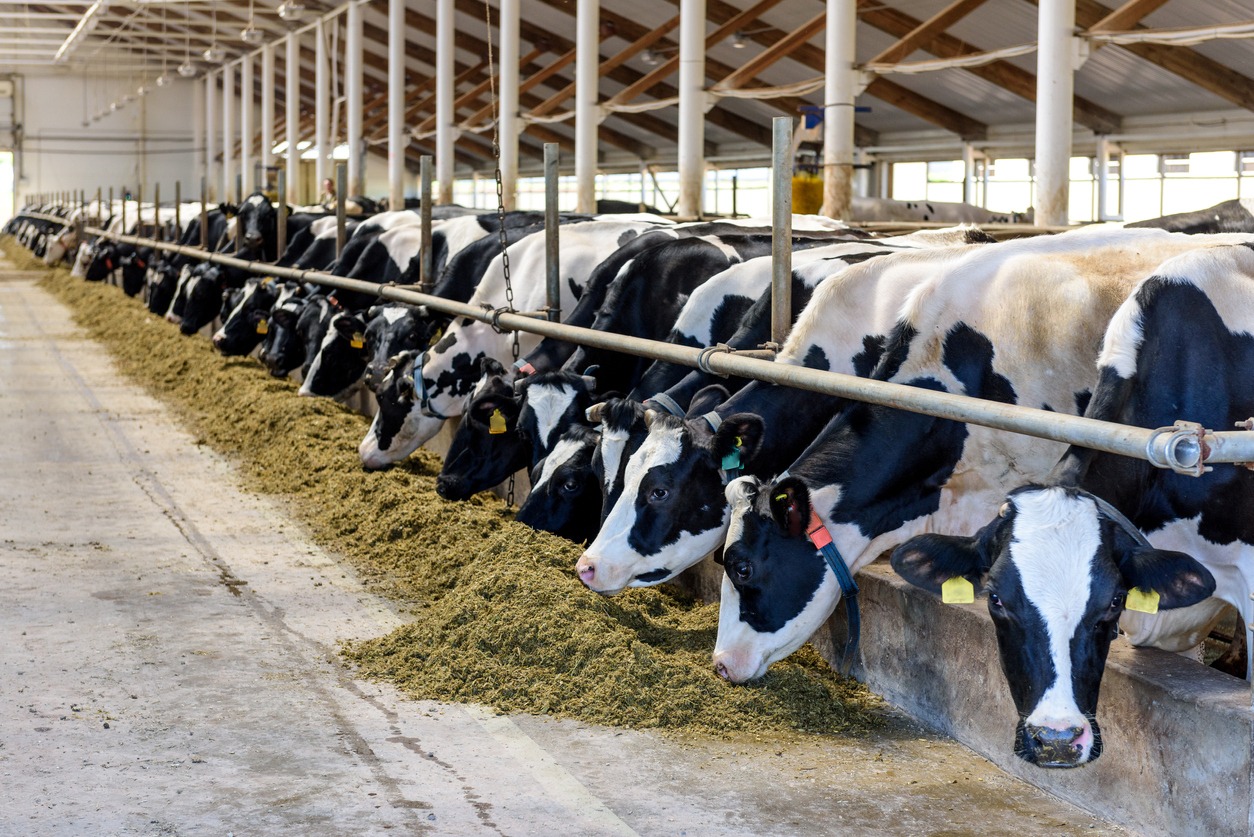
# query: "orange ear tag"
{"type": "Point", "coordinates": [496, 424]}
{"type": "Point", "coordinates": [957, 591]}
{"type": "Point", "coordinates": [1141, 601]}
{"type": "Point", "coordinates": [262, 327]}
{"type": "Point", "coordinates": [358, 341]}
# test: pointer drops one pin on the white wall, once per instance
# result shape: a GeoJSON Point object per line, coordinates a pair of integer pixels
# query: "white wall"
{"type": "Point", "coordinates": [148, 141]}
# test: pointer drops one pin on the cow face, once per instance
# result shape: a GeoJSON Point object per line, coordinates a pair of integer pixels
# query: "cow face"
{"type": "Point", "coordinates": [487, 446]}
{"type": "Point", "coordinates": [204, 297]}
{"type": "Point", "coordinates": [135, 270]}
{"type": "Point", "coordinates": [1057, 572]}
{"type": "Point", "coordinates": [399, 427]}
{"type": "Point", "coordinates": [565, 493]}
{"type": "Point", "coordinates": [283, 350]}
{"type": "Point", "coordinates": [671, 512]}
{"type": "Point", "coordinates": [257, 227]}
{"type": "Point", "coordinates": [622, 432]}
{"type": "Point", "coordinates": [777, 589]}
{"type": "Point", "coordinates": [393, 329]}
{"type": "Point", "coordinates": [341, 357]}
{"type": "Point", "coordinates": [247, 323]}
{"type": "Point", "coordinates": [104, 261]}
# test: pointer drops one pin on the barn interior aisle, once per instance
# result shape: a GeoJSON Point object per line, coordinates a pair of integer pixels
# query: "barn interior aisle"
{"type": "Point", "coordinates": [170, 667]}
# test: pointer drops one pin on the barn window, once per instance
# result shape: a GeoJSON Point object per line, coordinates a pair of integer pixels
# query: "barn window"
{"type": "Point", "coordinates": [1177, 164]}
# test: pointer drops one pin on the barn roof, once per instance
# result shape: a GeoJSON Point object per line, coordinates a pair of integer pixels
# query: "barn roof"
{"type": "Point", "coordinates": [1145, 94]}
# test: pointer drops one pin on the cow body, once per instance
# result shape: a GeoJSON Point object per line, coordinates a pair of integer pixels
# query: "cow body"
{"type": "Point", "coordinates": [1100, 526]}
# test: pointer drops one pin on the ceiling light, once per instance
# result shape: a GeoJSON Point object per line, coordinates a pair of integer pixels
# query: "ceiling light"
{"type": "Point", "coordinates": [85, 25]}
{"type": "Point", "coordinates": [186, 69]}
{"type": "Point", "coordinates": [289, 10]}
{"type": "Point", "coordinates": [650, 57]}
{"type": "Point", "coordinates": [162, 80]}
{"type": "Point", "coordinates": [143, 90]}
{"type": "Point", "coordinates": [114, 106]}
{"type": "Point", "coordinates": [214, 54]}
{"type": "Point", "coordinates": [252, 35]}
{"type": "Point", "coordinates": [738, 39]}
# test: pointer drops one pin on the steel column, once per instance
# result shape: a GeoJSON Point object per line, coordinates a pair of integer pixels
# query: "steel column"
{"type": "Point", "coordinates": [353, 99]}
{"type": "Point", "coordinates": [425, 279]}
{"type": "Point", "coordinates": [396, 104]}
{"type": "Point", "coordinates": [291, 122]}
{"type": "Point", "coordinates": [211, 130]}
{"type": "Point", "coordinates": [267, 112]}
{"type": "Point", "coordinates": [587, 81]}
{"type": "Point", "coordinates": [552, 227]}
{"type": "Point", "coordinates": [839, 92]}
{"type": "Point", "coordinates": [246, 123]}
{"type": "Point", "coordinates": [228, 131]}
{"type": "Point", "coordinates": [1055, 87]}
{"type": "Point", "coordinates": [322, 102]}
{"type": "Point", "coordinates": [781, 229]}
{"type": "Point", "coordinates": [692, 98]}
{"type": "Point", "coordinates": [445, 75]}
{"type": "Point", "coordinates": [508, 118]}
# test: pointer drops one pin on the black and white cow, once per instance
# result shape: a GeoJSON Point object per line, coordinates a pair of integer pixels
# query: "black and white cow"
{"type": "Point", "coordinates": [565, 497]}
{"type": "Point", "coordinates": [437, 389]}
{"type": "Point", "coordinates": [1020, 322]}
{"type": "Point", "coordinates": [283, 347]}
{"type": "Point", "coordinates": [1061, 559]}
{"type": "Point", "coordinates": [248, 322]}
{"type": "Point", "coordinates": [340, 360]}
{"type": "Point", "coordinates": [648, 538]}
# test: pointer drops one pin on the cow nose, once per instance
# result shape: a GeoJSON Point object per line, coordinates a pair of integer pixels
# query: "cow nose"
{"type": "Point", "coordinates": [253, 239]}
{"type": "Point", "coordinates": [721, 670]}
{"type": "Point", "coordinates": [1056, 746]}
{"type": "Point", "coordinates": [448, 487]}
{"type": "Point", "coordinates": [218, 338]}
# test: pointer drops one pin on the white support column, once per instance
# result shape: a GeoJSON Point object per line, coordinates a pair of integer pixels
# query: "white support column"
{"type": "Point", "coordinates": [1103, 182]}
{"type": "Point", "coordinates": [510, 56]}
{"type": "Point", "coordinates": [246, 131]}
{"type": "Point", "coordinates": [968, 173]}
{"type": "Point", "coordinates": [211, 135]}
{"type": "Point", "coordinates": [353, 100]}
{"type": "Point", "coordinates": [267, 108]}
{"type": "Point", "coordinates": [291, 132]}
{"type": "Point", "coordinates": [691, 144]}
{"type": "Point", "coordinates": [198, 131]}
{"type": "Point", "coordinates": [587, 81]}
{"type": "Point", "coordinates": [1055, 88]}
{"type": "Point", "coordinates": [444, 93]}
{"type": "Point", "coordinates": [322, 102]}
{"type": "Point", "coordinates": [396, 104]}
{"type": "Point", "coordinates": [228, 132]}
{"type": "Point", "coordinates": [840, 88]}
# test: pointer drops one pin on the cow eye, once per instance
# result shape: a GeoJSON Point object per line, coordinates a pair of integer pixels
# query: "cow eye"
{"type": "Point", "coordinates": [740, 571]}
{"type": "Point", "coordinates": [994, 601]}
{"type": "Point", "coordinates": [571, 485]}
{"type": "Point", "coordinates": [657, 495]}
{"type": "Point", "coordinates": [1116, 603]}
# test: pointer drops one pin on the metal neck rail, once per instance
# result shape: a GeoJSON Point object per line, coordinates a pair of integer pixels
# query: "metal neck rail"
{"type": "Point", "coordinates": [1186, 448]}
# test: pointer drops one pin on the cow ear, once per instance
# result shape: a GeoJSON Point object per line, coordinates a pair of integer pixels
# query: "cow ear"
{"type": "Point", "coordinates": [740, 430]}
{"type": "Point", "coordinates": [490, 366]}
{"type": "Point", "coordinates": [348, 326]}
{"type": "Point", "coordinates": [790, 505]}
{"type": "Point", "coordinates": [928, 561]}
{"type": "Point", "coordinates": [1178, 578]}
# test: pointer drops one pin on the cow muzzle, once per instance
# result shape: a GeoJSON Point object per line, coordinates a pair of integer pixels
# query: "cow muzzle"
{"type": "Point", "coordinates": [253, 240]}
{"type": "Point", "coordinates": [1057, 746]}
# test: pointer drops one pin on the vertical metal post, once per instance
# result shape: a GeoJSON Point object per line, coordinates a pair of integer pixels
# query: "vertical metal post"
{"type": "Point", "coordinates": [341, 186]}
{"type": "Point", "coordinates": [587, 80]}
{"type": "Point", "coordinates": [139, 209]}
{"type": "Point", "coordinates": [228, 130]}
{"type": "Point", "coordinates": [100, 210]}
{"type": "Point", "coordinates": [267, 107]}
{"type": "Point", "coordinates": [109, 215]}
{"type": "Point", "coordinates": [178, 209]}
{"type": "Point", "coordinates": [1055, 86]}
{"type": "Point", "coordinates": [239, 187]}
{"type": "Point", "coordinates": [781, 229]}
{"type": "Point", "coordinates": [156, 212]}
{"type": "Point", "coordinates": [246, 122]}
{"type": "Point", "coordinates": [211, 130]}
{"type": "Point", "coordinates": [445, 75]}
{"type": "Point", "coordinates": [291, 132]}
{"type": "Point", "coordinates": [425, 165]}
{"type": "Point", "coordinates": [125, 229]}
{"type": "Point", "coordinates": [508, 119]}
{"type": "Point", "coordinates": [692, 98]}
{"type": "Point", "coordinates": [353, 98]}
{"type": "Point", "coordinates": [322, 104]}
{"type": "Point", "coordinates": [552, 253]}
{"type": "Point", "coordinates": [204, 214]}
{"type": "Point", "coordinates": [282, 235]}
{"type": "Point", "coordinates": [396, 104]}
{"type": "Point", "coordinates": [840, 85]}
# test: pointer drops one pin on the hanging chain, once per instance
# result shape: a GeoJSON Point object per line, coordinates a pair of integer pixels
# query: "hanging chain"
{"type": "Point", "coordinates": [500, 207]}
{"type": "Point", "coordinates": [500, 189]}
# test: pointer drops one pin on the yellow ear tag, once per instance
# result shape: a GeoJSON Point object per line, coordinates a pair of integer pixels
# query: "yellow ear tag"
{"type": "Point", "coordinates": [1142, 602]}
{"type": "Point", "coordinates": [435, 338]}
{"type": "Point", "coordinates": [957, 591]}
{"type": "Point", "coordinates": [496, 424]}
{"type": "Point", "coordinates": [357, 341]}
{"type": "Point", "coordinates": [262, 327]}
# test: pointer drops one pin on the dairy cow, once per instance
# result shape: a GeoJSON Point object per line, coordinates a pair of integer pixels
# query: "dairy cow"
{"type": "Point", "coordinates": [426, 395]}
{"type": "Point", "coordinates": [1020, 323]}
{"type": "Point", "coordinates": [650, 537]}
{"type": "Point", "coordinates": [1065, 560]}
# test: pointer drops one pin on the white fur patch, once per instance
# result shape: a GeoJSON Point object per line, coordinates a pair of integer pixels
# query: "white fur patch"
{"type": "Point", "coordinates": [562, 452]}
{"type": "Point", "coordinates": [548, 403]}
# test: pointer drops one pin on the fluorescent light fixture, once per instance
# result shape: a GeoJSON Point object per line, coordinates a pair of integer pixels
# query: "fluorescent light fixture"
{"type": "Point", "coordinates": [85, 25]}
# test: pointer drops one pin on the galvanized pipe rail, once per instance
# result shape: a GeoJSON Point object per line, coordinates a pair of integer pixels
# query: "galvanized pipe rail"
{"type": "Point", "coordinates": [1186, 448]}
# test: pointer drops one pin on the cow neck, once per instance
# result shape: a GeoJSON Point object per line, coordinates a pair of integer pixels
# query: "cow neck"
{"type": "Point", "coordinates": [818, 535]}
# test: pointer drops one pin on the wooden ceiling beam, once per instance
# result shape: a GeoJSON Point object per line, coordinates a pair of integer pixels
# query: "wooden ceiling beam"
{"type": "Point", "coordinates": [938, 22]}
{"type": "Point", "coordinates": [779, 50]}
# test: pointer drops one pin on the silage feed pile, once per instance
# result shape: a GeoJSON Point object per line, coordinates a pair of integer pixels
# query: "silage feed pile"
{"type": "Point", "coordinates": [498, 615]}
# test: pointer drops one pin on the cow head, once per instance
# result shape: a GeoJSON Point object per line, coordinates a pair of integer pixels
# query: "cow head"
{"type": "Point", "coordinates": [341, 357]}
{"type": "Point", "coordinates": [393, 329]}
{"type": "Point", "coordinates": [135, 270]}
{"type": "Point", "coordinates": [671, 512]}
{"type": "Point", "coordinates": [257, 228]}
{"type": "Point", "coordinates": [248, 321]}
{"type": "Point", "coordinates": [104, 261]}
{"type": "Point", "coordinates": [486, 447]}
{"type": "Point", "coordinates": [163, 281]}
{"type": "Point", "coordinates": [1057, 570]}
{"type": "Point", "coordinates": [204, 296]}
{"type": "Point", "coordinates": [282, 350]}
{"type": "Point", "coordinates": [777, 589]}
{"type": "Point", "coordinates": [565, 493]}
{"type": "Point", "coordinates": [399, 426]}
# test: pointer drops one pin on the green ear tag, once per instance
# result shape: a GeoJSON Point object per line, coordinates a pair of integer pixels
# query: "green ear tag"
{"type": "Point", "coordinates": [1142, 602]}
{"type": "Point", "coordinates": [957, 591]}
{"type": "Point", "coordinates": [496, 424]}
{"type": "Point", "coordinates": [731, 462]}
{"type": "Point", "coordinates": [262, 327]}
{"type": "Point", "coordinates": [358, 340]}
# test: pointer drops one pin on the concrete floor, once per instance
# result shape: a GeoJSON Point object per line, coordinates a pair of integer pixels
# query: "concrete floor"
{"type": "Point", "coordinates": [169, 667]}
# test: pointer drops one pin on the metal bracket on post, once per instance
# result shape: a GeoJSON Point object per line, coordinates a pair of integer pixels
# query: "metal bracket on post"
{"type": "Point", "coordinates": [1181, 448]}
{"type": "Point", "coordinates": [425, 268]}
{"type": "Point", "coordinates": [552, 254]}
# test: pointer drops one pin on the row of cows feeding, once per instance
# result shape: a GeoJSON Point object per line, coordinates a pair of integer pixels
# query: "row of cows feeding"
{"type": "Point", "coordinates": [656, 466]}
